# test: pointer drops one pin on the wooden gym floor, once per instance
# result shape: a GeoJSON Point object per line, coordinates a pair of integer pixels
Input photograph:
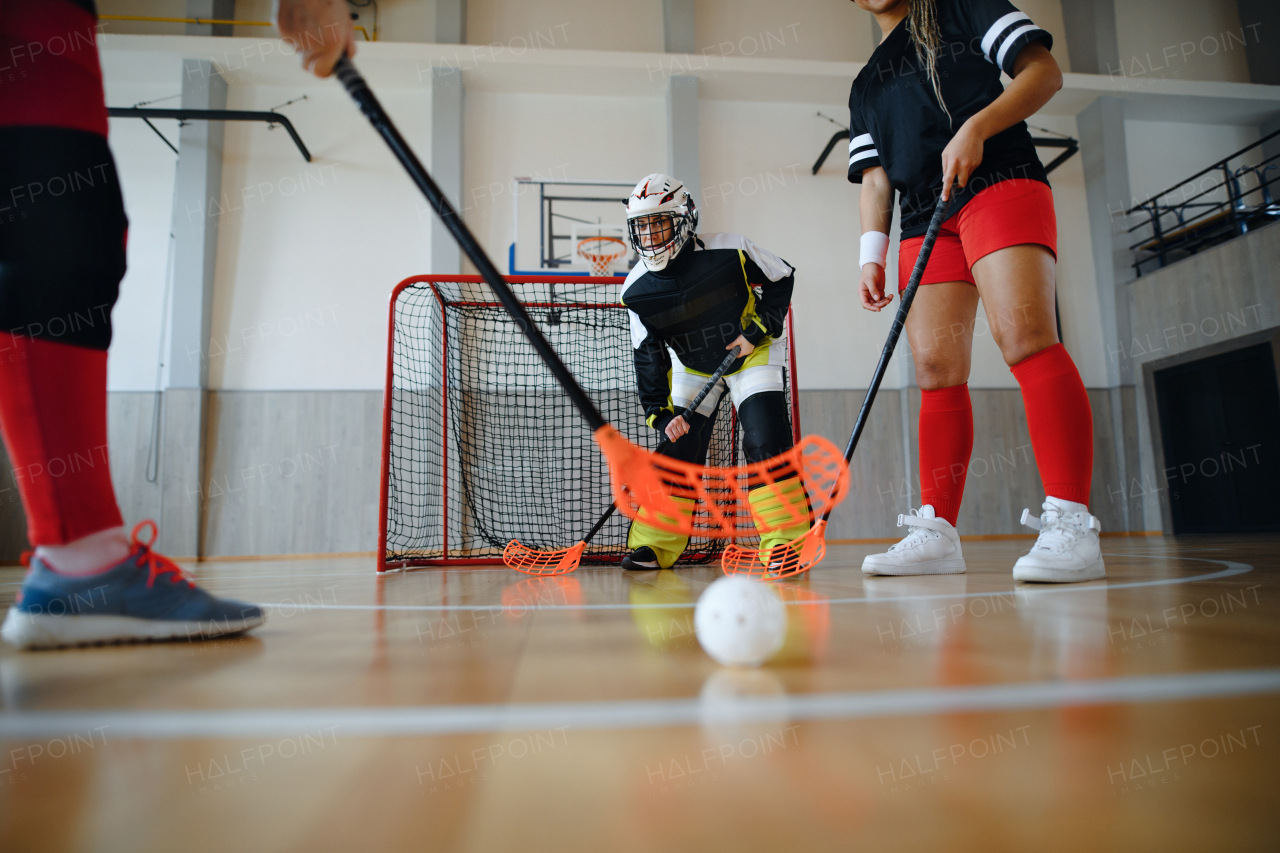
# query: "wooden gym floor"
{"type": "Point", "coordinates": [478, 710]}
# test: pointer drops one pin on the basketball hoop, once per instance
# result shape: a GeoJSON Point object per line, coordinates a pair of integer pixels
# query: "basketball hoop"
{"type": "Point", "coordinates": [601, 252]}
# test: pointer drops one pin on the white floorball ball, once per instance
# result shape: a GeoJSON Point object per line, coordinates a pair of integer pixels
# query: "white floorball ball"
{"type": "Point", "coordinates": [740, 622]}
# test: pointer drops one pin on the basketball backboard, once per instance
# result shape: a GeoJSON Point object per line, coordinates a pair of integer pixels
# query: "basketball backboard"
{"type": "Point", "coordinates": [551, 218]}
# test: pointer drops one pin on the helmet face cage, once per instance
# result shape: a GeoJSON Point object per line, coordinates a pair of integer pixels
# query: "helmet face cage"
{"type": "Point", "coordinates": [683, 223]}
{"type": "Point", "coordinates": [677, 222]}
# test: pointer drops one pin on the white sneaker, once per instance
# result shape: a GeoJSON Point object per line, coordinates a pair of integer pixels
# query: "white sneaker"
{"type": "Point", "coordinates": [1067, 550]}
{"type": "Point", "coordinates": [931, 548]}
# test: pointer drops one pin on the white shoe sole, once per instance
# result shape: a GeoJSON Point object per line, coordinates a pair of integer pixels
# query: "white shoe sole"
{"type": "Point", "coordinates": [948, 566]}
{"type": "Point", "coordinates": [1050, 574]}
{"type": "Point", "coordinates": [41, 631]}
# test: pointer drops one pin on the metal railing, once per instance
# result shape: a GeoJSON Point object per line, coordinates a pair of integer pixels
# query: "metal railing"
{"type": "Point", "coordinates": [271, 117]}
{"type": "Point", "coordinates": [1198, 218]}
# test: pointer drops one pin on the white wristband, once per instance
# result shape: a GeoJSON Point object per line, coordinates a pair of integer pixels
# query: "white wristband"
{"type": "Point", "coordinates": [873, 249]}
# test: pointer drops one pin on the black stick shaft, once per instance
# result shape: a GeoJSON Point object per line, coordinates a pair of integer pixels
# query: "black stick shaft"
{"type": "Point", "coordinates": [715, 377]}
{"type": "Point", "coordinates": [693, 407]}
{"type": "Point", "coordinates": [608, 514]}
{"type": "Point", "coordinates": [899, 323]}
{"type": "Point", "coordinates": [359, 90]}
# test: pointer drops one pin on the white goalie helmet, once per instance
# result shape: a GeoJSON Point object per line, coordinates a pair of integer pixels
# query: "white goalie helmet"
{"type": "Point", "coordinates": [661, 217]}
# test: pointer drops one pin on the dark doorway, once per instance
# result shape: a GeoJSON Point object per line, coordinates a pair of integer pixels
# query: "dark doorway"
{"type": "Point", "coordinates": [1220, 421]}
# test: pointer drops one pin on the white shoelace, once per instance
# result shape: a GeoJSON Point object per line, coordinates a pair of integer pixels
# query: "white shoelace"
{"type": "Point", "coordinates": [917, 536]}
{"type": "Point", "coordinates": [1059, 533]}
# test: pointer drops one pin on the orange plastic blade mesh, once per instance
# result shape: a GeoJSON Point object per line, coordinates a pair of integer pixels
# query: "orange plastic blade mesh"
{"type": "Point", "coordinates": [801, 555]}
{"type": "Point", "coordinates": [522, 558]}
{"type": "Point", "coordinates": [646, 486]}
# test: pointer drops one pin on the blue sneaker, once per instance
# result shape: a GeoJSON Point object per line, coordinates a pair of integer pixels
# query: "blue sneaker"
{"type": "Point", "coordinates": [142, 598]}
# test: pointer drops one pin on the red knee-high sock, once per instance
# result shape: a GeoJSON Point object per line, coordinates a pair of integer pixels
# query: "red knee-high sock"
{"type": "Point", "coordinates": [53, 409]}
{"type": "Point", "coordinates": [1060, 421]}
{"type": "Point", "coordinates": [946, 443]}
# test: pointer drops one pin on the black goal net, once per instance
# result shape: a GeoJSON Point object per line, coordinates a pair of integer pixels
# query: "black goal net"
{"type": "Point", "coordinates": [481, 445]}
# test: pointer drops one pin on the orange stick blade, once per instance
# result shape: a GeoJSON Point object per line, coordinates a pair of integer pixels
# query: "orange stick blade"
{"type": "Point", "coordinates": [802, 555]}
{"type": "Point", "coordinates": [531, 561]}
{"type": "Point", "coordinates": [658, 489]}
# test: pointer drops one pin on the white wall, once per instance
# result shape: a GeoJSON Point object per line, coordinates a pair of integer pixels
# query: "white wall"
{"type": "Point", "coordinates": [308, 252]}
{"type": "Point", "coordinates": [1047, 15]}
{"type": "Point", "coordinates": [553, 136]}
{"type": "Point", "coordinates": [1182, 39]}
{"type": "Point", "coordinates": [397, 20]}
{"type": "Point", "coordinates": [146, 168]}
{"type": "Point", "coordinates": [1078, 306]}
{"type": "Point", "coordinates": [835, 30]}
{"type": "Point", "coordinates": [402, 20]}
{"type": "Point", "coordinates": [802, 29]}
{"type": "Point", "coordinates": [634, 25]}
{"type": "Point", "coordinates": [1162, 153]}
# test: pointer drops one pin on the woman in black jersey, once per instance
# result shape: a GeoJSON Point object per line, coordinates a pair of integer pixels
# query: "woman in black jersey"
{"type": "Point", "coordinates": [929, 117]}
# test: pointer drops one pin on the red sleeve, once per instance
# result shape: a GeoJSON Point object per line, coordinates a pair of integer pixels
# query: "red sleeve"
{"type": "Point", "coordinates": [49, 70]}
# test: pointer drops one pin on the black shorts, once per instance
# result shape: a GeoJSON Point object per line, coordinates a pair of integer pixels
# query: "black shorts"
{"type": "Point", "coordinates": [62, 235]}
{"type": "Point", "coordinates": [765, 424]}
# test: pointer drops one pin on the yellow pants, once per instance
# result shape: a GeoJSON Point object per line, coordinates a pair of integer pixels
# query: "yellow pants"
{"type": "Point", "coordinates": [772, 506]}
{"type": "Point", "coordinates": [769, 507]}
{"type": "Point", "coordinates": [668, 546]}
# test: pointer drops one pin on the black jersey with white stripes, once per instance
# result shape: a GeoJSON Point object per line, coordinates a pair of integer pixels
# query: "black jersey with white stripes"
{"type": "Point", "coordinates": [720, 286]}
{"type": "Point", "coordinates": [895, 120]}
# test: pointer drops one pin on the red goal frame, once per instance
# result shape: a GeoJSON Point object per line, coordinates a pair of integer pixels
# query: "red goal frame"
{"type": "Point", "coordinates": [444, 560]}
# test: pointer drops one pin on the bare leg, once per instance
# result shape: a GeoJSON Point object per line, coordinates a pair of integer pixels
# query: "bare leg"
{"type": "Point", "coordinates": [1017, 289]}
{"type": "Point", "coordinates": [940, 329]}
{"type": "Point", "coordinates": [88, 553]}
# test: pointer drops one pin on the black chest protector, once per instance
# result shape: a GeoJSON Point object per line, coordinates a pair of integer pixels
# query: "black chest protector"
{"type": "Point", "coordinates": [698, 305]}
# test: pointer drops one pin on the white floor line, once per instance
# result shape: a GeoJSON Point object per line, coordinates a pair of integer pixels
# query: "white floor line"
{"type": "Point", "coordinates": [1232, 569]}
{"type": "Point", "coordinates": [636, 714]}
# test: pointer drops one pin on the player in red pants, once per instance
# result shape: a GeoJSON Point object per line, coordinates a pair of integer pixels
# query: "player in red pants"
{"type": "Point", "coordinates": [62, 241]}
{"type": "Point", "coordinates": [926, 112]}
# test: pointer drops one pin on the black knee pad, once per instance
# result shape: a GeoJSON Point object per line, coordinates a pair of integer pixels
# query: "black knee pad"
{"type": "Point", "coordinates": [766, 425]}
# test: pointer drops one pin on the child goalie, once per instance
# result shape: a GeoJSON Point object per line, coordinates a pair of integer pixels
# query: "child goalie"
{"type": "Point", "coordinates": [691, 299]}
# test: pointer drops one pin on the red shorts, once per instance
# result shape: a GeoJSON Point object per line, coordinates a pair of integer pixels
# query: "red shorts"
{"type": "Point", "coordinates": [1006, 214]}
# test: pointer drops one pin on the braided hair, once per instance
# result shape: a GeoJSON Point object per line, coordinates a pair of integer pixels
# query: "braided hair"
{"type": "Point", "coordinates": [926, 35]}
